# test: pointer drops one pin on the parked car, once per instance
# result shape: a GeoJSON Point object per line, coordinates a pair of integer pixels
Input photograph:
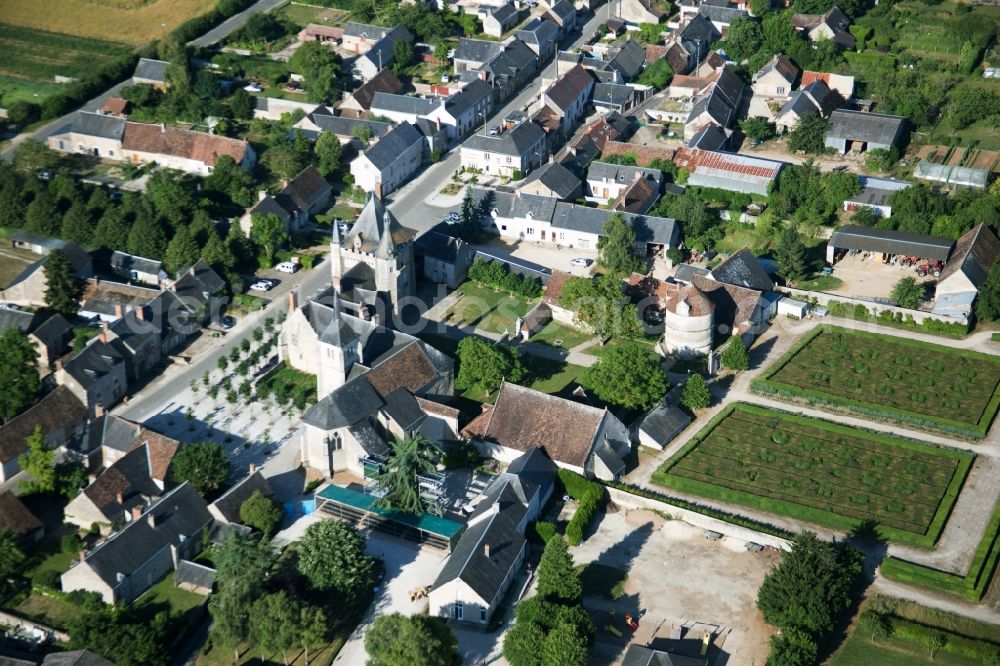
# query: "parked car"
{"type": "Point", "coordinates": [495, 130]}
{"type": "Point", "coordinates": [262, 285]}
{"type": "Point", "coordinates": [227, 321]}
{"type": "Point", "coordinates": [287, 267]}
{"type": "Point", "coordinates": [452, 217]}
{"type": "Point", "coordinates": [580, 261]}
{"type": "Point", "coordinates": [445, 79]}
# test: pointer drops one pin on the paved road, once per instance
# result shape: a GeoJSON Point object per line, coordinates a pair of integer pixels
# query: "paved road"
{"type": "Point", "coordinates": [409, 203]}
{"type": "Point", "coordinates": [234, 23]}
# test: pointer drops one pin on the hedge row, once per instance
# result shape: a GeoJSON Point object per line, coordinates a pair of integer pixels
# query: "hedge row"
{"type": "Point", "coordinates": [589, 494]}
{"type": "Point", "coordinates": [859, 312]}
{"type": "Point", "coordinates": [972, 648]}
{"type": "Point", "coordinates": [972, 586]}
{"type": "Point", "coordinates": [765, 386]}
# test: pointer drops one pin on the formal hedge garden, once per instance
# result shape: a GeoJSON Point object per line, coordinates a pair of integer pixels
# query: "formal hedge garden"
{"type": "Point", "coordinates": [821, 472]}
{"type": "Point", "coordinates": [910, 382]}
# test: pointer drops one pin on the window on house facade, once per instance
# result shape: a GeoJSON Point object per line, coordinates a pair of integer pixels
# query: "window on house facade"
{"type": "Point", "coordinates": [781, 90]}
{"type": "Point", "coordinates": [562, 236]}
{"type": "Point", "coordinates": [482, 615]}
{"type": "Point", "coordinates": [530, 231]}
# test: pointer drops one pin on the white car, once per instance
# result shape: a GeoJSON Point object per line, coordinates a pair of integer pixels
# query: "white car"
{"type": "Point", "coordinates": [286, 267]}
{"type": "Point", "coordinates": [580, 261]}
{"type": "Point", "coordinates": [262, 285]}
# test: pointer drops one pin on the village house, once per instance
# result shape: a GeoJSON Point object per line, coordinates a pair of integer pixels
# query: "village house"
{"type": "Point", "coordinates": [553, 180]}
{"type": "Point", "coordinates": [508, 71]}
{"type": "Point", "coordinates": [493, 547]}
{"type": "Point", "coordinates": [323, 119]}
{"type": "Point", "coordinates": [61, 417]}
{"type": "Point", "coordinates": [541, 36]}
{"type": "Point", "coordinates": [51, 340]}
{"type": "Point", "coordinates": [722, 16]}
{"type": "Point", "coordinates": [813, 98]}
{"type": "Point", "coordinates": [578, 437]}
{"type": "Point", "coordinates": [96, 375]}
{"type": "Point", "coordinates": [512, 153]}
{"type": "Point", "coordinates": [446, 259]}
{"type": "Point", "coordinates": [149, 547]}
{"type": "Point", "coordinates": [776, 79]}
{"type": "Point", "coordinates": [623, 62]}
{"type": "Point", "coordinates": [200, 289]}
{"type": "Point", "coordinates": [563, 14]}
{"type": "Point", "coordinates": [636, 11]}
{"type": "Point", "coordinates": [358, 104]}
{"type": "Point", "coordinates": [361, 37]}
{"type": "Point", "coordinates": [472, 54]}
{"type": "Point", "coordinates": [305, 196]}
{"type": "Point", "coordinates": [858, 132]}
{"type": "Point", "coordinates": [615, 97]}
{"type": "Point", "coordinates": [326, 34]}
{"type": "Point", "coordinates": [839, 83]}
{"type": "Point", "coordinates": [137, 269]}
{"type": "Point", "coordinates": [832, 25]}
{"type": "Point", "coordinates": [568, 97]}
{"type": "Point", "coordinates": [965, 273]}
{"type": "Point", "coordinates": [151, 72]}
{"type": "Point", "coordinates": [607, 181]}
{"type": "Point", "coordinates": [689, 45]}
{"type": "Point", "coordinates": [28, 287]}
{"type": "Point", "coordinates": [391, 162]}
{"type": "Point", "coordinates": [147, 334]}
{"type": "Point", "coordinates": [874, 195]}
{"type": "Point", "coordinates": [499, 20]}
{"type": "Point", "coordinates": [380, 55]}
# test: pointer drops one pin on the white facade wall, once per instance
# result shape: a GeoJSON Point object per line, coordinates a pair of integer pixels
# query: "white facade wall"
{"type": "Point", "coordinates": [956, 283]}
{"type": "Point", "coordinates": [543, 231]}
{"type": "Point", "coordinates": [367, 175]}
{"type": "Point", "coordinates": [687, 336]}
{"type": "Point", "coordinates": [81, 143]}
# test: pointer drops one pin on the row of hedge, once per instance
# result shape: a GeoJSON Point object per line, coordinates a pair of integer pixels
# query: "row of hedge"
{"type": "Point", "coordinates": [589, 495]}
{"type": "Point", "coordinates": [972, 586]}
{"type": "Point", "coordinates": [763, 385]}
{"type": "Point", "coordinates": [930, 638]}
{"type": "Point", "coordinates": [859, 312]}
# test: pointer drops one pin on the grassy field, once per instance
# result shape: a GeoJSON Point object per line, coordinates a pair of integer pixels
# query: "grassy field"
{"type": "Point", "coordinates": [487, 309]}
{"type": "Point", "coordinates": [889, 377]}
{"type": "Point", "coordinates": [48, 610]}
{"type": "Point", "coordinates": [13, 261]}
{"type": "Point", "coordinates": [16, 90]}
{"type": "Point", "coordinates": [39, 56]}
{"type": "Point", "coordinates": [166, 593]}
{"type": "Point", "coordinates": [820, 472]}
{"type": "Point", "coordinates": [906, 645]}
{"type": "Point", "coordinates": [301, 15]}
{"type": "Point", "coordinates": [134, 22]}
{"type": "Point", "coordinates": [600, 350]}
{"type": "Point", "coordinates": [557, 335]}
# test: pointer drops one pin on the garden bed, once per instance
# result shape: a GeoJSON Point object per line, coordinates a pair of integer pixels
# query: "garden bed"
{"type": "Point", "coordinates": [821, 472]}
{"type": "Point", "coordinates": [906, 381]}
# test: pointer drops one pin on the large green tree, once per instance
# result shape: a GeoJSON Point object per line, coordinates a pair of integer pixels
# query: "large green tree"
{"type": "Point", "coordinates": [18, 373]}
{"type": "Point", "coordinates": [696, 394]}
{"type": "Point", "coordinates": [261, 513]}
{"type": "Point", "coordinates": [268, 234]}
{"type": "Point", "coordinates": [808, 134]}
{"type": "Point", "coordinates": [112, 230]}
{"type": "Point", "coordinates": [418, 640]}
{"type": "Point", "coordinates": [483, 364]}
{"type": "Point", "coordinates": [243, 564]}
{"type": "Point", "coordinates": [319, 66]}
{"type": "Point", "coordinates": [332, 558]}
{"type": "Point", "coordinates": [744, 38]}
{"type": "Point", "coordinates": [398, 481]}
{"type": "Point", "coordinates": [182, 251]}
{"type": "Point", "coordinates": [627, 376]}
{"type": "Point", "coordinates": [908, 293]}
{"type": "Point", "coordinates": [735, 356]}
{"type": "Point", "coordinates": [564, 646]}
{"type": "Point", "coordinates": [523, 644]}
{"type": "Point", "coordinates": [988, 300]}
{"type": "Point", "coordinates": [273, 624]}
{"type": "Point", "coordinates": [757, 128]}
{"type": "Point", "coordinates": [790, 255]}
{"type": "Point", "coordinates": [616, 246]}
{"type": "Point", "coordinates": [558, 578]}
{"type": "Point", "coordinates": [147, 239]}
{"type": "Point", "coordinates": [77, 224]}
{"type": "Point", "coordinates": [204, 464]}
{"type": "Point", "coordinates": [62, 288]}
{"type": "Point", "coordinates": [39, 463]}
{"type": "Point", "coordinates": [42, 216]}
{"type": "Point", "coordinates": [328, 153]}
{"type": "Point", "coordinates": [11, 555]}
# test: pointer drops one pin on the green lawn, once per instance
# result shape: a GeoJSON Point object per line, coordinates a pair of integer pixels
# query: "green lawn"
{"type": "Point", "coordinates": [738, 236]}
{"type": "Point", "coordinates": [488, 310]}
{"type": "Point", "coordinates": [58, 562]}
{"type": "Point", "coordinates": [558, 335]}
{"type": "Point", "coordinates": [37, 55]}
{"type": "Point", "coordinates": [820, 283]}
{"type": "Point", "coordinates": [600, 350]}
{"type": "Point", "coordinates": [165, 592]}
{"type": "Point", "coordinates": [301, 15]}
{"type": "Point", "coordinates": [820, 472]}
{"type": "Point", "coordinates": [14, 90]}
{"type": "Point", "coordinates": [48, 610]}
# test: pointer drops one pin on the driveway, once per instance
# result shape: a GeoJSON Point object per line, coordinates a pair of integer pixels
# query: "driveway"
{"type": "Point", "coordinates": [407, 567]}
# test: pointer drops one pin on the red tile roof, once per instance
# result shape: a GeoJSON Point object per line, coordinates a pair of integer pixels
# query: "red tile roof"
{"type": "Point", "coordinates": [165, 140]}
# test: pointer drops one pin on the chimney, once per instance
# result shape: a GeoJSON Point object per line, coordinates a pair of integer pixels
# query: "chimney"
{"type": "Point", "coordinates": [293, 299]}
{"type": "Point", "coordinates": [253, 468]}
{"type": "Point", "coordinates": [59, 365]}
{"type": "Point", "coordinates": [378, 190]}
{"type": "Point", "coordinates": [137, 511]}
{"type": "Point", "coordinates": [151, 519]}
{"type": "Point", "coordinates": [486, 551]}
{"type": "Point", "coordinates": [140, 313]}
{"type": "Point", "coordinates": [119, 312]}
{"type": "Point", "coordinates": [119, 498]}
{"type": "Point", "coordinates": [99, 412]}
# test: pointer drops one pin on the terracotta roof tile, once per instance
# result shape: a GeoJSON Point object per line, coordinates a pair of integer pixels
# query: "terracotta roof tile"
{"type": "Point", "coordinates": [436, 408]}
{"type": "Point", "coordinates": [409, 368]}
{"type": "Point", "coordinates": [697, 301]}
{"type": "Point", "coordinates": [554, 287]}
{"type": "Point", "coordinates": [58, 409]}
{"type": "Point", "coordinates": [161, 452]}
{"type": "Point", "coordinates": [733, 305]}
{"type": "Point", "coordinates": [165, 140]}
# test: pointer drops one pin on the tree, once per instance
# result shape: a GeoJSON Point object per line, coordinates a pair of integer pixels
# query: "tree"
{"type": "Point", "coordinates": [77, 224]}
{"type": "Point", "coordinates": [142, 95]}
{"type": "Point", "coordinates": [217, 254]}
{"type": "Point", "coordinates": [282, 160]}
{"type": "Point", "coordinates": [483, 364]}
{"type": "Point", "coordinates": [318, 65]}
{"type": "Point", "coordinates": [38, 461]}
{"type": "Point", "coordinates": [311, 628]}
{"type": "Point", "coordinates": [112, 230]}
{"type": "Point", "coordinates": [242, 563]}
{"type": "Point", "coordinates": [757, 128]}
{"type": "Point", "coordinates": [70, 478]}
{"type": "Point", "coordinates": [616, 246]}
{"type": "Point", "coordinates": [328, 153]}
{"type": "Point", "coordinates": [332, 557]}
{"type": "Point", "coordinates": [760, 7]}
{"type": "Point", "coordinates": [273, 623]}
{"type": "Point", "coordinates": [881, 159]}
{"type": "Point", "coordinates": [875, 624]}
{"type": "Point", "coordinates": [402, 55]}
{"type": "Point", "coordinates": [811, 586]}
{"type": "Point", "coordinates": [418, 640]}
{"type": "Point", "coordinates": [696, 394]}
{"type": "Point", "coordinates": [261, 513]}
{"type": "Point", "coordinates": [793, 647]}
{"type": "Point", "coordinates": [627, 376]}
{"type": "Point", "coordinates": [808, 135]}
{"type": "Point", "coordinates": [18, 373]}
{"type": "Point", "coordinates": [182, 251]}
{"type": "Point", "coordinates": [558, 579]}
{"type": "Point", "coordinates": [268, 233]}
{"type": "Point", "coordinates": [62, 288]}
{"type": "Point", "coordinates": [22, 112]}
{"type": "Point", "coordinates": [399, 481]}
{"type": "Point", "coordinates": [564, 646]}
{"type": "Point", "coordinates": [908, 293]}
{"type": "Point", "coordinates": [790, 255]}
{"type": "Point", "coordinates": [656, 74]}
{"type": "Point", "coordinates": [523, 644]}
{"type": "Point", "coordinates": [242, 104]}
{"type": "Point", "coordinates": [362, 133]}
{"type": "Point", "coordinates": [11, 554]}
{"type": "Point", "coordinates": [42, 216]}
{"type": "Point", "coordinates": [745, 37]}
{"type": "Point", "coordinates": [988, 300]}
{"type": "Point", "coordinates": [735, 356]}
{"type": "Point", "coordinates": [147, 238]}
{"type": "Point", "coordinates": [204, 465]}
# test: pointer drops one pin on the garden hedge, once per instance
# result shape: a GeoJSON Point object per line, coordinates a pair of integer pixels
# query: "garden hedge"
{"type": "Point", "coordinates": [972, 586]}
{"type": "Point", "coordinates": [589, 495]}
{"type": "Point", "coordinates": [829, 517]}
{"type": "Point", "coordinates": [972, 648]}
{"type": "Point", "coordinates": [765, 385]}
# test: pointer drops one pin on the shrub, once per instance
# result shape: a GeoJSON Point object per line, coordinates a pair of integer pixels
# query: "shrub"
{"type": "Point", "coordinates": [589, 494]}
{"type": "Point", "coordinates": [545, 530]}
{"type": "Point", "coordinates": [48, 578]}
{"type": "Point", "coordinates": [70, 543]}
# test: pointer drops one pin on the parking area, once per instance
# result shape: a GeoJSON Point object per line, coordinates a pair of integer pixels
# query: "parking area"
{"type": "Point", "coordinates": [865, 276]}
{"type": "Point", "coordinates": [542, 254]}
{"type": "Point", "coordinates": [676, 576]}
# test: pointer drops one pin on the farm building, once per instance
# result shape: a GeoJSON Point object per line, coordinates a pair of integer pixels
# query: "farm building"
{"type": "Point", "coordinates": [855, 238]}
{"type": "Point", "coordinates": [952, 176]}
{"type": "Point", "coordinates": [874, 195]}
{"type": "Point", "coordinates": [728, 171]}
{"type": "Point", "coordinates": [658, 427]}
{"type": "Point", "coordinates": [967, 269]}
{"type": "Point", "coordinates": [854, 131]}
{"type": "Point", "coordinates": [789, 307]}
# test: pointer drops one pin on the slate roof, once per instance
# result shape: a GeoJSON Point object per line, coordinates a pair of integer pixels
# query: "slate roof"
{"type": "Point", "coordinates": [341, 126]}
{"type": "Point", "coordinates": [485, 574]}
{"type": "Point", "coordinates": [372, 221]}
{"type": "Point", "coordinates": [743, 270]}
{"type": "Point", "coordinates": [709, 137]}
{"type": "Point", "coordinates": [780, 64]}
{"type": "Point", "coordinates": [734, 305]}
{"type": "Point", "coordinates": [629, 59]}
{"type": "Point", "coordinates": [56, 410]}
{"type": "Point", "coordinates": [514, 58]}
{"type": "Point", "coordinates": [699, 28]}
{"type": "Point", "coordinates": [867, 127]}
{"type": "Point", "coordinates": [19, 319]}
{"type": "Point", "coordinates": [876, 191]}
{"type": "Point", "coordinates": [418, 106]}
{"type": "Point", "coordinates": [975, 252]}
{"type": "Point", "coordinates": [515, 142]}
{"type": "Point", "coordinates": [180, 513]}
{"type": "Point", "coordinates": [402, 407]}
{"type": "Point", "coordinates": [473, 93]}
{"type": "Point", "coordinates": [75, 658]}
{"type": "Point", "coordinates": [477, 50]}
{"type": "Point", "coordinates": [723, 15]}
{"type": "Point", "coordinates": [151, 70]}
{"type": "Point", "coordinates": [576, 83]}
{"type": "Point", "coordinates": [664, 422]}
{"type": "Point", "coordinates": [556, 178]}
{"type": "Point", "coordinates": [800, 104]}
{"type": "Point", "coordinates": [562, 9]}
{"type": "Point", "coordinates": [194, 574]}
{"type": "Point", "coordinates": [198, 282]}
{"type": "Point", "coordinates": [621, 174]}
{"type": "Point", "coordinates": [122, 263]}
{"type": "Point", "coordinates": [538, 31]}
{"type": "Point", "coordinates": [505, 13]}
{"type": "Point", "coordinates": [856, 237]}
{"type": "Point", "coordinates": [113, 432]}
{"type": "Point", "coordinates": [612, 94]}
{"type": "Point", "coordinates": [92, 362]}
{"type": "Point", "coordinates": [522, 418]}
{"type": "Point", "coordinates": [99, 125]}
{"type": "Point", "coordinates": [230, 502]}
{"type": "Point", "coordinates": [686, 271]}
{"type": "Point", "coordinates": [55, 333]}
{"type": "Point", "coordinates": [639, 655]}
{"type": "Point", "coordinates": [15, 517]}
{"type": "Point", "coordinates": [385, 82]}
{"type": "Point", "coordinates": [439, 245]}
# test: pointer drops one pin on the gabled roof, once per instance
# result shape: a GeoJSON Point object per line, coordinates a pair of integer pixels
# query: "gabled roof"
{"type": "Point", "coordinates": [867, 127]}
{"type": "Point", "coordinates": [522, 418]}
{"type": "Point", "coordinates": [621, 174]}
{"type": "Point", "coordinates": [15, 517]}
{"type": "Point", "coordinates": [743, 270]}
{"type": "Point", "coordinates": [709, 137]}
{"type": "Point", "coordinates": [638, 655]}
{"type": "Point", "coordinates": [975, 253]}
{"type": "Point", "coordinates": [177, 516]}
{"type": "Point", "coordinates": [385, 82]}
{"type": "Point", "coordinates": [638, 197]}
{"type": "Point", "coordinates": [418, 106]}
{"type": "Point", "coordinates": [341, 126]}
{"type": "Point", "coordinates": [473, 93]}
{"type": "Point", "coordinates": [198, 282]}
{"type": "Point", "coordinates": [556, 178]}
{"type": "Point", "coordinates": [857, 237]}
{"type": "Point", "coordinates": [55, 333]}
{"type": "Point", "coordinates": [92, 362]}
{"type": "Point", "coordinates": [612, 94]}
{"type": "Point", "coordinates": [562, 9]}
{"type": "Point", "coordinates": [123, 263]}
{"type": "Point", "coordinates": [439, 244]}
{"type": "Point", "coordinates": [133, 476]}
{"type": "Point", "coordinates": [75, 658]}
{"type": "Point", "coordinates": [19, 319]}
{"type": "Point", "coordinates": [722, 15]}
{"type": "Point", "coordinates": [151, 70]}
{"type": "Point", "coordinates": [194, 574]}
{"type": "Point", "coordinates": [505, 13]}
{"type": "Point", "coordinates": [188, 144]}
{"type": "Point", "coordinates": [228, 505]}
{"type": "Point", "coordinates": [308, 187]}
{"type": "Point", "coordinates": [93, 124]}
{"type": "Point", "coordinates": [781, 65]}
{"type": "Point", "coordinates": [538, 31]}
{"type": "Point", "coordinates": [628, 60]}
{"type": "Point", "coordinates": [576, 83]}
{"type": "Point", "coordinates": [477, 50]}
{"type": "Point", "coordinates": [733, 305]}
{"type": "Point", "coordinates": [59, 409]}
{"type": "Point", "coordinates": [515, 142]}
{"type": "Point", "coordinates": [699, 29]}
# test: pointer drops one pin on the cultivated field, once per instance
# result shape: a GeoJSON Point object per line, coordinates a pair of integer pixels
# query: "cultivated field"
{"type": "Point", "coordinates": [134, 22]}
{"type": "Point", "coordinates": [820, 472]}
{"type": "Point", "coordinates": [40, 56]}
{"type": "Point", "coordinates": [892, 378]}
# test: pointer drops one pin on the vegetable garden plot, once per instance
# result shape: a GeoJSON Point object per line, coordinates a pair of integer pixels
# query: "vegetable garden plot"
{"type": "Point", "coordinates": [821, 472]}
